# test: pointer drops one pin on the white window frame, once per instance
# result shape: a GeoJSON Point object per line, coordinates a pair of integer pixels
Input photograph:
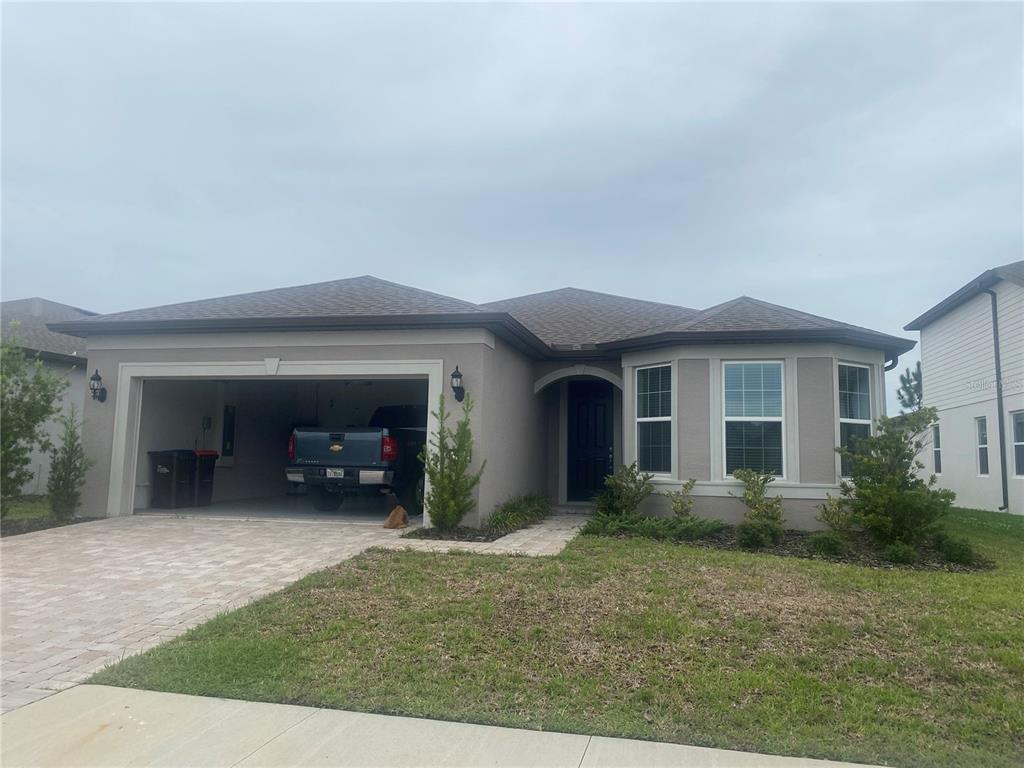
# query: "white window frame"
{"type": "Point", "coordinates": [671, 418]}
{"type": "Point", "coordinates": [781, 419]}
{"type": "Point", "coordinates": [1014, 442]}
{"type": "Point", "coordinates": [979, 446]}
{"type": "Point", "coordinates": [871, 408]}
{"type": "Point", "coordinates": [936, 449]}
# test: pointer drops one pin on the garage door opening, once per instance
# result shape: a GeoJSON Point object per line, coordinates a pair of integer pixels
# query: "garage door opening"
{"type": "Point", "coordinates": [226, 447]}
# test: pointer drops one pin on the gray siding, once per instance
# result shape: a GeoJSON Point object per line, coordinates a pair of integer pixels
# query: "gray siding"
{"type": "Point", "coordinates": [817, 420]}
{"type": "Point", "coordinates": [693, 398]}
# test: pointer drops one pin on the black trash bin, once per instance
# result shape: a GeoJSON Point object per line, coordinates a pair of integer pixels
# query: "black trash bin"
{"type": "Point", "coordinates": [172, 478]}
{"type": "Point", "coordinates": [206, 462]}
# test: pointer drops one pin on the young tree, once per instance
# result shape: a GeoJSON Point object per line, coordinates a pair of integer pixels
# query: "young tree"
{"type": "Point", "coordinates": [68, 465]}
{"type": "Point", "coordinates": [29, 397]}
{"type": "Point", "coordinates": [910, 393]}
{"type": "Point", "coordinates": [446, 461]}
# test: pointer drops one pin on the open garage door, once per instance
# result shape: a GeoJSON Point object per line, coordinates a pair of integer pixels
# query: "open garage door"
{"type": "Point", "coordinates": [221, 447]}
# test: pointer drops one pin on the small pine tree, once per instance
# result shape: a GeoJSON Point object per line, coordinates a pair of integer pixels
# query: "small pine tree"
{"type": "Point", "coordinates": [68, 465]}
{"type": "Point", "coordinates": [911, 391]}
{"type": "Point", "coordinates": [446, 459]}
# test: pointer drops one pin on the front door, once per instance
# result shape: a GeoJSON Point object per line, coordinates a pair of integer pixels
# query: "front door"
{"type": "Point", "coordinates": [589, 439]}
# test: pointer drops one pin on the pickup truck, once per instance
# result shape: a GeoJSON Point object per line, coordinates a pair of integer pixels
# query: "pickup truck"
{"type": "Point", "coordinates": [384, 455]}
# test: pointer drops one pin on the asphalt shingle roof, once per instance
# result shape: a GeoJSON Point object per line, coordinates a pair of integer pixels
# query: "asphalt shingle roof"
{"type": "Point", "coordinates": [32, 316]}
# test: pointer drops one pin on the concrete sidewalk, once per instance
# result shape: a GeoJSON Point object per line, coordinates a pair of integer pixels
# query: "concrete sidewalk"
{"type": "Point", "coordinates": [92, 725]}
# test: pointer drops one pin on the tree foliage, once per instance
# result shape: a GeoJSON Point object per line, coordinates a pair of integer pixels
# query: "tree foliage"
{"type": "Point", "coordinates": [29, 397]}
{"type": "Point", "coordinates": [886, 492]}
{"type": "Point", "coordinates": [68, 465]}
{"type": "Point", "coordinates": [911, 392]}
{"type": "Point", "coordinates": [446, 461]}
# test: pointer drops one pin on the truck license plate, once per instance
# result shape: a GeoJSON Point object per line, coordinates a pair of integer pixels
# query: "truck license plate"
{"type": "Point", "coordinates": [335, 472]}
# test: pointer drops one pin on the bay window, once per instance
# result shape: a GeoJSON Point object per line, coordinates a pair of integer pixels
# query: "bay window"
{"type": "Point", "coordinates": [654, 419]}
{"type": "Point", "coordinates": [753, 417]}
{"type": "Point", "coordinates": [854, 408]}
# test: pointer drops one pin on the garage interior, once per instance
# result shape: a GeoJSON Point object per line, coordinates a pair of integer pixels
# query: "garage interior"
{"type": "Point", "coordinates": [248, 423]}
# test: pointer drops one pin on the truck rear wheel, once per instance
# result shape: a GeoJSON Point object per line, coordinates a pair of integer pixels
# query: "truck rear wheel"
{"type": "Point", "coordinates": [325, 500]}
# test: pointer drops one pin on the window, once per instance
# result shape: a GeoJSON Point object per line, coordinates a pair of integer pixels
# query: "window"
{"type": "Point", "coordinates": [1018, 442]}
{"type": "Point", "coordinates": [937, 450]}
{"type": "Point", "coordinates": [981, 430]}
{"type": "Point", "coordinates": [654, 419]}
{"type": "Point", "coordinates": [753, 417]}
{"type": "Point", "coordinates": [854, 408]}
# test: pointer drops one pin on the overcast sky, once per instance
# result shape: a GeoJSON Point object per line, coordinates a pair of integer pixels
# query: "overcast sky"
{"type": "Point", "coordinates": [858, 161]}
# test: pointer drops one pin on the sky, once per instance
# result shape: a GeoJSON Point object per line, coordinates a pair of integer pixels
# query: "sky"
{"type": "Point", "coordinates": [859, 161]}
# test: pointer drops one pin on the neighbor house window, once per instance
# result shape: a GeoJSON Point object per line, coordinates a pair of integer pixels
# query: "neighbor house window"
{"type": "Point", "coordinates": [1018, 443]}
{"type": "Point", "coordinates": [937, 449]}
{"type": "Point", "coordinates": [981, 430]}
{"type": "Point", "coordinates": [854, 408]}
{"type": "Point", "coordinates": [654, 419]}
{"type": "Point", "coordinates": [753, 417]}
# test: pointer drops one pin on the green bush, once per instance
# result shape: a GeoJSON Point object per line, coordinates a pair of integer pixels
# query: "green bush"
{"type": "Point", "coordinates": [827, 543]}
{"type": "Point", "coordinates": [758, 534]}
{"type": "Point", "coordinates": [446, 461]}
{"type": "Point", "coordinates": [682, 499]}
{"type": "Point", "coordinates": [68, 466]}
{"type": "Point", "coordinates": [657, 528]}
{"type": "Point", "coordinates": [886, 492]}
{"type": "Point", "coordinates": [836, 514]}
{"type": "Point", "coordinates": [623, 493]}
{"type": "Point", "coordinates": [955, 550]}
{"type": "Point", "coordinates": [755, 495]}
{"type": "Point", "coordinates": [901, 553]}
{"type": "Point", "coordinates": [519, 512]}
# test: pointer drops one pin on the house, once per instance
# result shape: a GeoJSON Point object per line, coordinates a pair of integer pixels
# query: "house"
{"type": "Point", "coordinates": [567, 384]}
{"type": "Point", "coordinates": [62, 354]}
{"type": "Point", "coordinates": [972, 372]}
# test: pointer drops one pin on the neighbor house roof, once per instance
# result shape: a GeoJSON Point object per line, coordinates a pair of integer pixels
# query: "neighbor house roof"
{"type": "Point", "coordinates": [32, 316]}
{"type": "Point", "coordinates": [1012, 272]}
{"type": "Point", "coordinates": [563, 322]}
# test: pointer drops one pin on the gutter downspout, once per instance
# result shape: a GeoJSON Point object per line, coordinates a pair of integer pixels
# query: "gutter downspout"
{"type": "Point", "coordinates": [999, 399]}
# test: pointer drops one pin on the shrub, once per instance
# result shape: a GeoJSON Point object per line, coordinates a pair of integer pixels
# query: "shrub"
{"type": "Point", "coordinates": [68, 466]}
{"type": "Point", "coordinates": [836, 514]}
{"type": "Point", "coordinates": [682, 500]}
{"type": "Point", "coordinates": [657, 528]}
{"type": "Point", "coordinates": [886, 493]}
{"type": "Point", "coordinates": [755, 495]}
{"type": "Point", "coordinates": [623, 492]}
{"type": "Point", "coordinates": [955, 550]}
{"type": "Point", "coordinates": [519, 512]}
{"type": "Point", "coordinates": [446, 461]}
{"type": "Point", "coordinates": [900, 552]}
{"type": "Point", "coordinates": [757, 534]}
{"type": "Point", "coordinates": [827, 543]}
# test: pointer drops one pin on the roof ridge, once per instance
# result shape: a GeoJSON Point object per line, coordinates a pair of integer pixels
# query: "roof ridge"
{"type": "Point", "coordinates": [590, 291]}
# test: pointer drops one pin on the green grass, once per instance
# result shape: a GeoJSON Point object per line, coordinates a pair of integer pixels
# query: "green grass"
{"type": "Point", "coordinates": [26, 507]}
{"type": "Point", "coordinates": [638, 638]}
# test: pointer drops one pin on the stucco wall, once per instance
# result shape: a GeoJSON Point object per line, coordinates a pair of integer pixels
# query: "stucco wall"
{"type": "Point", "coordinates": [39, 461]}
{"type": "Point", "coordinates": [693, 401]}
{"type": "Point", "coordinates": [816, 413]}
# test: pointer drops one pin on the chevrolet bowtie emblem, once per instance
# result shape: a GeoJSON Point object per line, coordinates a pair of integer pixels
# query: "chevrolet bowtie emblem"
{"type": "Point", "coordinates": [336, 448]}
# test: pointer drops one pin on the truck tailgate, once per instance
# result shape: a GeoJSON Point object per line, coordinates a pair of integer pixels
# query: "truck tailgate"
{"type": "Point", "coordinates": [339, 448]}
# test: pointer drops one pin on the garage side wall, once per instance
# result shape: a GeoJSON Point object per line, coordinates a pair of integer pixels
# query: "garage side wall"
{"type": "Point", "coordinates": [468, 350]}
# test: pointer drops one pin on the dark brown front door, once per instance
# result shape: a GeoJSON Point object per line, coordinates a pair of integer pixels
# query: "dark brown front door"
{"type": "Point", "coordinates": [589, 439]}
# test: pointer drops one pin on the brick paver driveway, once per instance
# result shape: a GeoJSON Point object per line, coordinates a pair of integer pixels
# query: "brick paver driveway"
{"type": "Point", "coordinates": [75, 599]}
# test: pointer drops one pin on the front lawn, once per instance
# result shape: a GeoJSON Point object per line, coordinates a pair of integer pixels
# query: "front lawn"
{"type": "Point", "coordinates": [630, 637]}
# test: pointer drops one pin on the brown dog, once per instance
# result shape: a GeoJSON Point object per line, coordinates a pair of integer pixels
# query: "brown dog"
{"type": "Point", "coordinates": [398, 518]}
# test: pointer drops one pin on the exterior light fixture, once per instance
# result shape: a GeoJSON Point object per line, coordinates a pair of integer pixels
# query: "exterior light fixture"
{"type": "Point", "coordinates": [457, 388]}
{"type": "Point", "coordinates": [96, 388]}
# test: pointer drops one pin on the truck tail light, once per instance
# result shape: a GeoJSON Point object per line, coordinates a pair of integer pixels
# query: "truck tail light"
{"type": "Point", "coordinates": [388, 448]}
{"type": "Point", "coordinates": [291, 447]}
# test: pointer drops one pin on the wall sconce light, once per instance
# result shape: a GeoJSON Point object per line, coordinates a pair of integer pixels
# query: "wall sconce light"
{"type": "Point", "coordinates": [457, 388]}
{"type": "Point", "coordinates": [96, 388]}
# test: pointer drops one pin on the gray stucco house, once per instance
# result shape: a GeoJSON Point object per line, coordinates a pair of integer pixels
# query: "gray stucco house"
{"type": "Point", "coordinates": [64, 355]}
{"type": "Point", "coordinates": [567, 383]}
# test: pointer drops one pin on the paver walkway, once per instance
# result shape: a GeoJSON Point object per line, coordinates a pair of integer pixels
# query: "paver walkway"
{"type": "Point", "coordinates": [94, 725]}
{"type": "Point", "coordinates": [78, 598]}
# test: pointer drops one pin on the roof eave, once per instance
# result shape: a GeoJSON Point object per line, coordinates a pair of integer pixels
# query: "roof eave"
{"type": "Point", "coordinates": [985, 280]}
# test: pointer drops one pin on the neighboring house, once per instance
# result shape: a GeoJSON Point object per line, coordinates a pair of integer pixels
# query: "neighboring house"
{"type": "Point", "coordinates": [567, 384]}
{"type": "Point", "coordinates": [972, 364]}
{"type": "Point", "coordinates": [63, 354]}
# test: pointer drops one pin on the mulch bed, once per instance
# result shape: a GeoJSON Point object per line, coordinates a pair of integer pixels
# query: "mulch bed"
{"type": "Point", "coordinates": [31, 524]}
{"type": "Point", "coordinates": [861, 549]}
{"type": "Point", "coordinates": [462, 533]}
